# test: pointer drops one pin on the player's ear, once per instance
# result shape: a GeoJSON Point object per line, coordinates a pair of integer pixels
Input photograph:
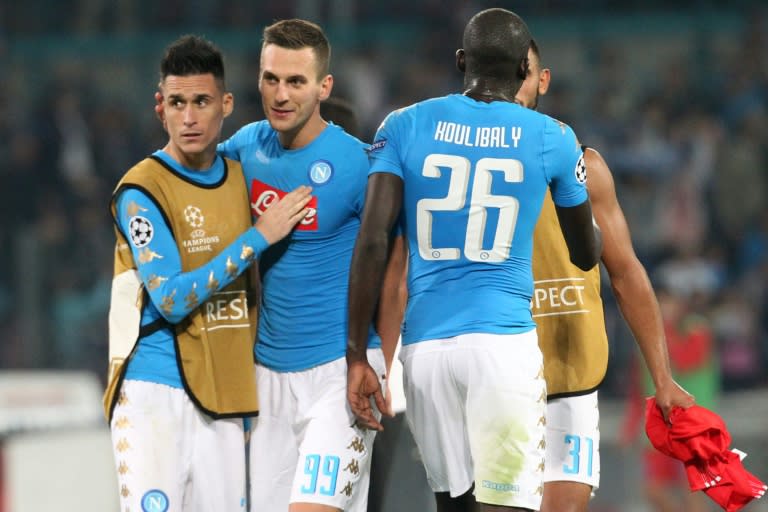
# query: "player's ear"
{"type": "Point", "coordinates": [544, 79]}
{"type": "Point", "coordinates": [461, 64]}
{"type": "Point", "coordinates": [228, 103]}
{"type": "Point", "coordinates": [160, 107]}
{"type": "Point", "coordinates": [326, 85]}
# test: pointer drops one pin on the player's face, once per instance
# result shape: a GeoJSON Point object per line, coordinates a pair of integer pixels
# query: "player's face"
{"type": "Point", "coordinates": [291, 88]}
{"type": "Point", "coordinates": [534, 85]}
{"type": "Point", "coordinates": [194, 107]}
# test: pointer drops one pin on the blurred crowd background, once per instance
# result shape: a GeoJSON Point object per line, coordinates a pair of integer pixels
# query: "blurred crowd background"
{"type": "Point", "coordinates": [673, 93]}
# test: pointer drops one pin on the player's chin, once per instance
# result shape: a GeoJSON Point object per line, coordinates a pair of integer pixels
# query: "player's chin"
{"type": "Point", "coordinates": [195, 147]}
{"type": "Point", "coordinates": [281, 122]}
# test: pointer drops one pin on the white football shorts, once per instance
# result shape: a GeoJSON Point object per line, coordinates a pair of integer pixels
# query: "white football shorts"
{"type": "Point", "coordinates": [573, 440]}
{"type": "Point", "coordinates": [305, 446]}
{"type": "Point", "coordinates": [476, 406]}
{"type": "Point", "coordinates": [171, 457]}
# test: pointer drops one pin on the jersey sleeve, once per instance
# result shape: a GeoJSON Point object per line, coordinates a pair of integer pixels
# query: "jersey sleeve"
{"type": "Point", "coordinates": [360, 164]}
{"type": "Point", "coordinates": [159, 263]}
{"type": "Point", "coordinates": [564, 164]}
{"type": "Point", "coordinates": [384, 153]}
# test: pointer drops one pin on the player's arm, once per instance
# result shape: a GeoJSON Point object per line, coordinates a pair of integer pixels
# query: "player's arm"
{"type": "Point", "coordinates": [394, 295]}
{"type": "Point", "coordinates": [175, 293]}
{"type": "Point", "coordinates": [369, 260]}
{"type": "Point", "coordinates": [231, 147]}
{"type": "Point", "coordinates": [563, 162]}
{"type": "Point", "coordinates": [582, 236]}
{"type": "Point", "coordinates": [631, 285]}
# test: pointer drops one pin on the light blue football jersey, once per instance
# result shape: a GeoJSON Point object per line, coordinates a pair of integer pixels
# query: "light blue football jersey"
{"type": "Point", "coordinates": [305, 278]}
{"type": "Point", "coordinates": [475, 175]}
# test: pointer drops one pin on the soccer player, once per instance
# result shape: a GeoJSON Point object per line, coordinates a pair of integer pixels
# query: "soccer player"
{"type": "Point", "coordinates": [569, 314]}
{"type": "Point", "coordinates": [305, 448]}
{"type": "Point", "coordinates": [469, 172]}
{"type": "Point", "coordinates": [181, 322]}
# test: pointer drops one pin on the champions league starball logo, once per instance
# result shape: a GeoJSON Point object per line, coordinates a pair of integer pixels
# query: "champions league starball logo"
{"type": "Point", "coordinates": [141, 231]}
{"type": "Point", "coordinates": [581, 170]}
{"type": "Point", "coordinates": [194, 216]}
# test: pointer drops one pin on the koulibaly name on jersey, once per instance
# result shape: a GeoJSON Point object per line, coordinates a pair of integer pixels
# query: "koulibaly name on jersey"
{"type": "Point", "coordinates": [477, 136]}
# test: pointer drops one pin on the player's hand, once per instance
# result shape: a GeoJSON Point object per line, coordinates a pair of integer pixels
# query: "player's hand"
{"type": "Point", "coordinates": [279, 219]}
{"type": "Point", "coordinates": [160, 109]}
{"type": "Point", "coordinates": [362, 385]}
{"type": "Point", "coordinates": [669, 395]}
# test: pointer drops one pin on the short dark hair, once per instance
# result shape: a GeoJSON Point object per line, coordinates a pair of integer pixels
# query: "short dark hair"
{"type": "Point", "coordinates": [295, 34]}
{"type": "Point", "coordinates": [496, 43]}
{"type": "Point", "coordinates": [535, 49]}
{"type": "Point", "coordinates": [192, 55]}
{"type": "Point", "coordinates": [340, 112]}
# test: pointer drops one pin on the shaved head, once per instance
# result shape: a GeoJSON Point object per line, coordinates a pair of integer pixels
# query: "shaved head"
{"type": "Point", "coordinates": [496, 43]}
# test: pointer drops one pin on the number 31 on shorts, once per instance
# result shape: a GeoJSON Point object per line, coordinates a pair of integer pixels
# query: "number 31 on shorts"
{"type": "Point", "coordinates": [581, 453]}
{"type": "Point", "coordinates": [322, 473]}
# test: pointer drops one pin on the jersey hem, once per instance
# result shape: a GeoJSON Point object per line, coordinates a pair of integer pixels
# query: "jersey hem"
{"type": "Point", "coordinates": [567, 394]}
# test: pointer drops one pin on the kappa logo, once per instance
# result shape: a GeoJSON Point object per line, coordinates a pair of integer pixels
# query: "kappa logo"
{"type": "Point", "coordinates": [154, 501]}
{"type": "Point", "coordinates": [353, 467]}
{"type": "Point", "coordinates": [320, 172]}
{"type": "Point", "coordinates": [357, 445]}
{"type": "Point", "coordinates": [263, 196]}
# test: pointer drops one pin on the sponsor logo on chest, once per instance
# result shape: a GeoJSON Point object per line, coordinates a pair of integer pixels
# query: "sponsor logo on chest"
{"type": "Point", "coordinates": [263, 196]}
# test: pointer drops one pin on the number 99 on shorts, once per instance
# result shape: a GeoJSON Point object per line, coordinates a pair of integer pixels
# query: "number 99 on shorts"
{"type": "Point", "coordinates": [321, 473]}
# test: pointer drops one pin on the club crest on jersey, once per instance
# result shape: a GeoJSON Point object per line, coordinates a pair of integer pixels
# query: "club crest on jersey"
{"type": "Point", "coordinates": [140, 230]}
{"type": "Point", "coordinates": [320, 172]}
{"type": "Point", "coordinates": [154, 501]}
{"type": "Point", "coordinates": [263, 196]}
{"type": "Point", "coordinates": [581, 170]}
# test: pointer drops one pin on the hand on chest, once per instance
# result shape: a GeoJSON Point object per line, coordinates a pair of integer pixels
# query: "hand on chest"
{"type": "Point", "coordinates": [328, 208]}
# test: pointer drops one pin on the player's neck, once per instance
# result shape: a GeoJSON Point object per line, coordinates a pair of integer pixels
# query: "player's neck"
{"type": "Point", "coordinates": [194, 161]}
{"type": "Point", "coordinates": [488, 90]}
{"type": "Point", "coordinates": [303, 135]}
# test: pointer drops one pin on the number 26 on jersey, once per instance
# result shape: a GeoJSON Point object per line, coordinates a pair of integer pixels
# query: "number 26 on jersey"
{"type": "Point", "coordinates": [480, 200]}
